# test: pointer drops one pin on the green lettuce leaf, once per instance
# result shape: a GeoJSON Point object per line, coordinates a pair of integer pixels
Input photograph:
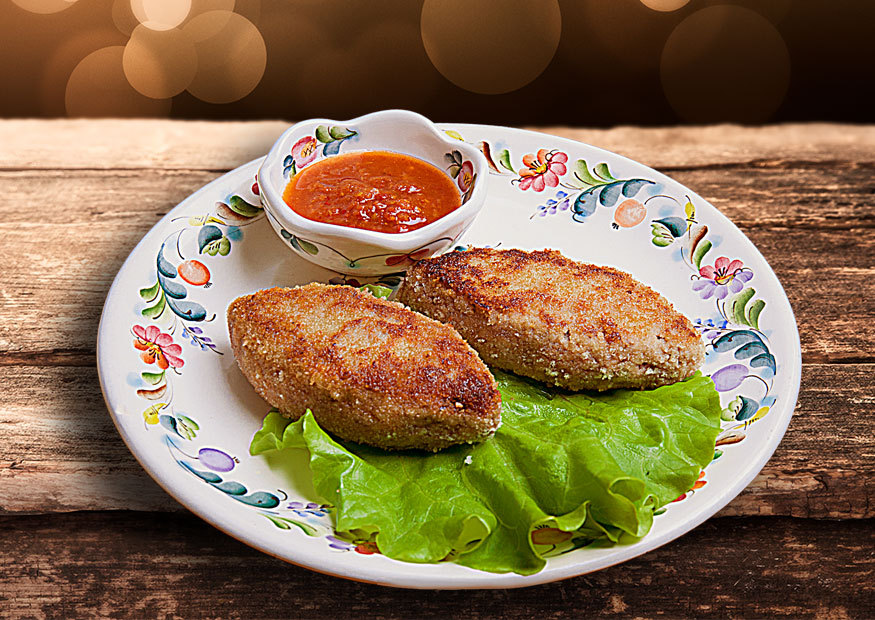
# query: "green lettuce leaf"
{"type": "Point", "coordinates": [597, 465]}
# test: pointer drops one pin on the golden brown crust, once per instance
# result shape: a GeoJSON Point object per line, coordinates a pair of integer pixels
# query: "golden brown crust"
{"type": "Point", "coordinates": [545, 316]}
{"type": "Point", "coordinates": [371, 370]}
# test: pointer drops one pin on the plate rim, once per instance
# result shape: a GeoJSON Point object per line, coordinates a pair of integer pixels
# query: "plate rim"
{"type": "Point", "coordinates": [471, 578]}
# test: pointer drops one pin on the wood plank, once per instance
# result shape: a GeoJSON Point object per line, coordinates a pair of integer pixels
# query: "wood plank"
{"type": "Point", "coordinates": [57, 270]}
{"type": "Point", "coordinates": [802, 193]}
{"type": "Point", "coordinates": [146, 565]}
{"type": "Point", "coordinates": [828, 277]}
{"type": "Point", "coordinates": [794, 195]}
{"type": "Point", "coordinates": [671, 148]}
{"type": "Point", "coordinates": [62, 452]}
{"type": "Point", "coordinates": [136, 144]}
{"type": "Point", "coordinates": [825, 465]}
{"type": "Point", "coordinates": [133, 144]}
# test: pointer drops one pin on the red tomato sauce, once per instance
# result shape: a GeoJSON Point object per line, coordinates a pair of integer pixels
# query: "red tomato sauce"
{"type": "Point", "coordinates": [373, 190]}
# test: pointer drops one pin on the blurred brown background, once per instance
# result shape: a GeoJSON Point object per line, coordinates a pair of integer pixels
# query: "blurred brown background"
{"type": "Point", "coordinates": [573, 62]}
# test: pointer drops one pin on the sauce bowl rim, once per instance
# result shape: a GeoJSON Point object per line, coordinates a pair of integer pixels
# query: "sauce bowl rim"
{"type": "Point", "coordinates": [273, 202]}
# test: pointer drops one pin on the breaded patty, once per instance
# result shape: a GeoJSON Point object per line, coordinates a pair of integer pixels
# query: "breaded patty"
{"type": "Point", "coordinates": [569, 324]}
{"type": "Point", "coordinates": [370, 370]}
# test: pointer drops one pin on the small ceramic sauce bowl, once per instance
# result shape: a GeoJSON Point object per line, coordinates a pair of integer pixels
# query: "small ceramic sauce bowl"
{"type": "Point", "coordinates": [364, 252]}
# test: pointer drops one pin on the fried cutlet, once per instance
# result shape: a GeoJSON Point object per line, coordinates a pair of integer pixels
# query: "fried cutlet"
{"type": "Point", "coordinates": [370, 370]}
{"type": "Point", "coordinates": [544, 316]}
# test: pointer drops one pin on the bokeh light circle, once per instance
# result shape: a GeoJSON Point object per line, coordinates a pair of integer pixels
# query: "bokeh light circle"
{"type": "Point", "coordinates": [490, 46]}
{"type": "Point", "coordinates": [205, 6]}
{"type": "Point", "coordinates": [98, 87]}
{"type": "Point", "coordinates": [123, 16]}
{"type": "Point", "coordinates": [44, 7]}
{"type": "Point", "coordinates": [160, 14]}
{"type": "Point", "coordinates": [725, 63]}
{"type": "Point", "coordinates": [231, 56]}
{"type": "Point", "coordinates": [665, 5]}
{"type": "Point", "coordinates": [216, 23]}
{"type": "Point", "coordinates": [60, 62]}
{"type": "Point", "coordinates": [159, 63]}
{"type": "Point", "coordinates": [250, 9]}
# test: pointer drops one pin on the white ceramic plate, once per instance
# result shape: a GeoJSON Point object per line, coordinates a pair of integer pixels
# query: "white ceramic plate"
{"type": "Point", "coordinates": [190, 424]}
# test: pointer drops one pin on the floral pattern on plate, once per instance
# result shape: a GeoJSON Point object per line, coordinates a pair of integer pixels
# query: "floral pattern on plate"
{"type": "Point", "coordinates": [175, 339]}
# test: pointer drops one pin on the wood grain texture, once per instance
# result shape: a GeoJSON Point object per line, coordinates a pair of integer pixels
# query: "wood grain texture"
{"type": "Point", "coordinates": [80, 194]}
{"type": "Point", "coordinates": [62, 452]}
{"type": "Point", "coordinates": [139, 144]}
{"type": "Point", "coordinates": [142, 565]}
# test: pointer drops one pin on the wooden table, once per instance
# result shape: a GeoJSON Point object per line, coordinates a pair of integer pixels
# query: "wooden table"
{"type": "Point", "coordinates": [84, 531]}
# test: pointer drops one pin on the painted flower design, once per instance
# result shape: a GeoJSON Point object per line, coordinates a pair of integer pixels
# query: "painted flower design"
{"type": "Point", "coordinates": [466, 176]}
{"type": "Point", "coordinates": [709, 328]}
{"type": "Point", "coordinates": [724, 277]}
{"type": "Point", "coordinates": [367, 548]}
{"type": "Point", "coordinates": [408, 259]}
{"type": "Point", "coordinates": [338, 543]}
{"type": "Point", "coordinates": [309, 509]}
{"type": "Point", "coordinates": [560, 202]}
{"type": "Point", "coordinates": [304, 151]}
{"type": "Point", "coordinates": [730, 377]}
{"type": "Point", "coordinates": [542, 170]}
{"type": "Point", "coordinates": [364, 547]}
{"type": "Point", "coordinates": [698, 484]}
{"type": "Point", "coordinates": [157, 347]}
{"type": "Point", "coordinates": [151, 415]}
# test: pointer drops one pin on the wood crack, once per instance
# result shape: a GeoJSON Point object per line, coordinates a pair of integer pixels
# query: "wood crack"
{"type": "Point", "coordinates": [65, 566]}
{"type": "Point", "coordinates": [776, 164]}
{"type": "Point", "coordinates": [54, 357]}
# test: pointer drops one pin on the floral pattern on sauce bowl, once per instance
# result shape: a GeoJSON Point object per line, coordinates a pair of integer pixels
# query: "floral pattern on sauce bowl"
{"type": "Point", "coordinates": [187, 414]}
{"type": "Point", "coordinates": [363, 252]}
